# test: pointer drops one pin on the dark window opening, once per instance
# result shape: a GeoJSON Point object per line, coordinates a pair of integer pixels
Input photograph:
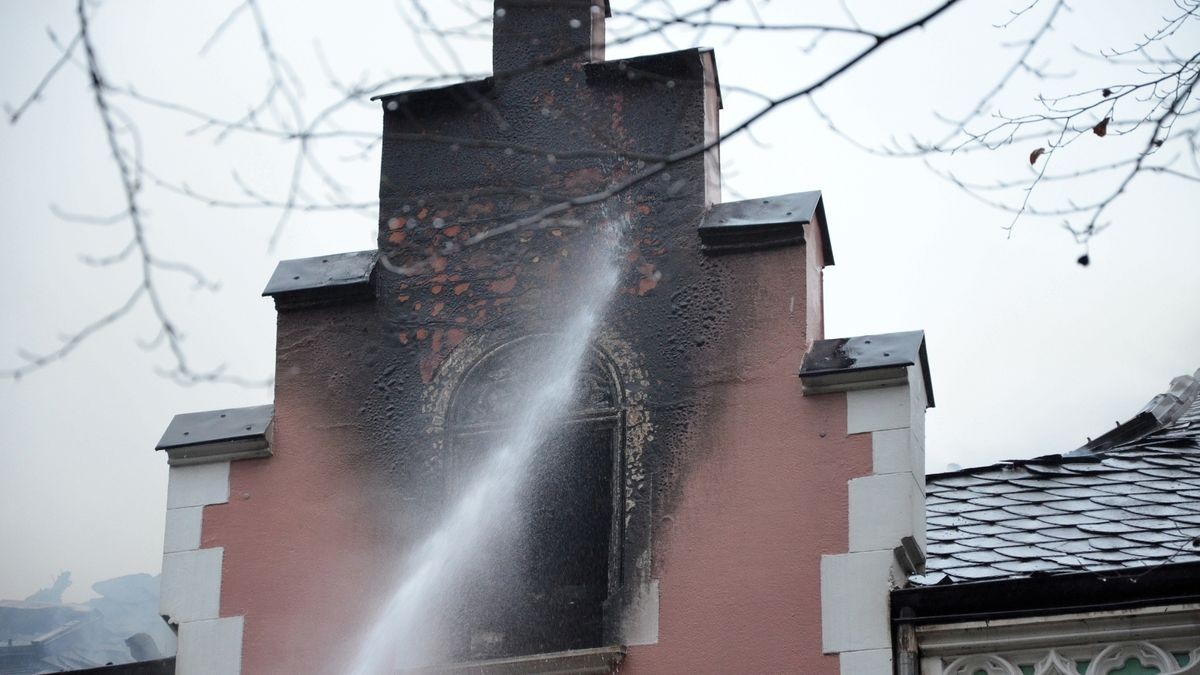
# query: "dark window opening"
{"type": "Point", "coordinates": [551, 571]}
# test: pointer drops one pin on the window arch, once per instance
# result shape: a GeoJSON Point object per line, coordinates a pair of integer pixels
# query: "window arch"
{"type": "Point", "coordinates": [550, 591]}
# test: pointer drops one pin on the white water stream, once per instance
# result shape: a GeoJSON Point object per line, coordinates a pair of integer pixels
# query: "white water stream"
{"type": "Point", "coordinates": [405, 634]}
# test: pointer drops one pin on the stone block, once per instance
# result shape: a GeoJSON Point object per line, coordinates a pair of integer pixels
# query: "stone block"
{"type": "Point", "coordinates": [882, 510]}
{"type": "Point", "coordinates": [877, 409]}
{"type": "Point", "coordinates": [212, 647]}
{"type": "Point", "coordinates": [854, 601]}
{"type": "Point", "coordinates": [182, 532]}
{"type": "Point", "coordinates": [190, 587]}
{"type": "Point", "coordinates": [198, 485]}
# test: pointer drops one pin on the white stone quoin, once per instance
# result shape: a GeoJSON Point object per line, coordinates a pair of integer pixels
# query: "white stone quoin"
{"type": "Point", "coordinates": [886, 400]}
{"type": "Point", "coordinates": [190, 587]}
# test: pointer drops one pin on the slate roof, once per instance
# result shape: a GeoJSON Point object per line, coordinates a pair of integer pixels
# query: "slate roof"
{"type": "Point", "coordinates": [1128, 499]}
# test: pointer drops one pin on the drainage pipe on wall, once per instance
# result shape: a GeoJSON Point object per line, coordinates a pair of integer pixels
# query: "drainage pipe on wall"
{"type": "Point", "coordinates": [906, 650]}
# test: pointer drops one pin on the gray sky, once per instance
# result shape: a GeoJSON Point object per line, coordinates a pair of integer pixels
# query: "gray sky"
{"type": "Point", "coordinates": [1030, 352]}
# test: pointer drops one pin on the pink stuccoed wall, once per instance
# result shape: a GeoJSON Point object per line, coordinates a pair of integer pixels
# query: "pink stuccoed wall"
{"type": "Point", "coordinates": [289, 523]}
{"type": "Point", "coordinates": [306, 548]}
{"type": "Point", "coordinates": [760, 496]}
{"type": "Point", "coordinates": [738, 560]}
{"type": "Point", "coordinates": [740, 564]}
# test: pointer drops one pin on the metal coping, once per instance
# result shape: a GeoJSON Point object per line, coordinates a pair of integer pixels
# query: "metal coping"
{"type": "Point", "coordinates": [217, 426]}
{"type": "Point", "coordinates": [607, 7]}
{"type": "Point", "coordinates": [465, 91]}
{"type": "Point", "coordinates": [765, 222]}
{"type": "Point", "coordinates": [308, 281]}
{"type": "Point", "coordinates": [665, 64]}
{"type": "Point", "coordinates": [865, 353]}
{"type": "Point", "coordinates": [684, 64]}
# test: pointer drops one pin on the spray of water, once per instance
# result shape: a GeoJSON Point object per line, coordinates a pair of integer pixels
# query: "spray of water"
{"type": "Point", "coordinates": [403, 634]}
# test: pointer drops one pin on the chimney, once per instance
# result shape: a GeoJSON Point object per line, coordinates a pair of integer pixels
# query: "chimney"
{"type": "Point", "coordinates": [530, 33]}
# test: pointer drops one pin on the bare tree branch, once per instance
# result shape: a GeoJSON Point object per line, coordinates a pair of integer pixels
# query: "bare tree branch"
{"type": "Point", "coordinates": [1153, 106]}
{"type": "Point", "coordinates": [14, 114]}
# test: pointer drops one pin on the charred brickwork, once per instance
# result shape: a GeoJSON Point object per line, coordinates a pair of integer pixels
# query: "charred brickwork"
{"type": "Point", "coordinates": [461, 167]}
{"type": "Point", "coordinates": [490, 192]}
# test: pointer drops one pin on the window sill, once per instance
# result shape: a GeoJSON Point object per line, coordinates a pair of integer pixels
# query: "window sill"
{"type": "Point", "coordinates": [597, 660]}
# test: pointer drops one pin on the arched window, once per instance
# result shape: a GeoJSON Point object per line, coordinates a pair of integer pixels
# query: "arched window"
{"type": "Point", "coordinates": [547, 590]}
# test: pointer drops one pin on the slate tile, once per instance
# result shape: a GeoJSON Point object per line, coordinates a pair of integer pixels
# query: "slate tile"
{"type": "Point", "coordinates": [1114, 554]}
{"type": "Point", "coordinates": [1026, 552]}
{"type": "Point", "coordinates": [1070, 546]}
{"type": "Point", "coordinates": [1027, 566]}
{"type": "Point", "coordinates": [995, 501]}
{"type": "Point", "coordinates": [1080, 492]}
{"type": "Point", "coordinates": [1160, 511]}
{"type": "Point", "coordinates": [1150, 537]}
{"type": "Point", "coordinates": [1108, 514]}
{"type": "Point", "coordinates": [1071, 519]}
{"type": "Point", "coordinates": [1067, 533]}
{"type": "Point", "coordinates": [1171, 485]}
{"type": "Point", "coordinates": [1167, 473]}
{"type": "Point", "coordinates": [987, 516]}
{"type": "Point", "coordinates": [1109, 543]}
{"type": "Point", "coordinates": [1027, 537]}
{"type": "Point", "coordinates": [986, 529]}
{"type": "Point", "coordinates": [1168, 460]}
{"type": "Point", "coordinates": [1120, 501]}
{"type": "Point", "coordinates": [1032, 510]}
{"type": "Point", "coordinates": [997, 488]}
{"type": "Point", "coordinates": [1152, 524]}
{"type": "Point", "coordinates": [1034, 496]}
{"type": "Point", "coordinates": [946, 548]}
{"type": "Point", "coordinates": [1075, 505]}
{"type": "Point", "coordinates": [953, 507]}
{"type": "Point", "coordinates": [961, 481]}
{"type": "Point", "coordinates": [986, 556]}
{"type": "Point", "coordinates": [1116, 527]}
{"type": "Point", "coordinates": [984, 543]}
{"type": "Point", "coordinates": [975, 572]}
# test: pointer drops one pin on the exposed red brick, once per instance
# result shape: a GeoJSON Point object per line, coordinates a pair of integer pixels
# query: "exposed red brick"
{"type": "Point", "coordinates": [503, 285]}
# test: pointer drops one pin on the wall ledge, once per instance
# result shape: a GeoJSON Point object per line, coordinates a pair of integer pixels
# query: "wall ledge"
{"type": "Point", "coordinates": [323, 280]}
{"type": "Point", "coordinates": [866, 362]}
{"type": "Point", "coordinates": [218, 435]}
{"type": "Point", "coordinates": [767, 222]}
{"type": "Point", "coordinates": [595, 660]}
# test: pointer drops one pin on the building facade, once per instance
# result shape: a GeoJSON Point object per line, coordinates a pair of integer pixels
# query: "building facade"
{"type": "Point", "coordinates": [717, 513]}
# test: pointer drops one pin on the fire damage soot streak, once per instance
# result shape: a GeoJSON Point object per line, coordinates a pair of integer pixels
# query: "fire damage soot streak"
{"type": "Point", "coordinates": [472, 543]}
